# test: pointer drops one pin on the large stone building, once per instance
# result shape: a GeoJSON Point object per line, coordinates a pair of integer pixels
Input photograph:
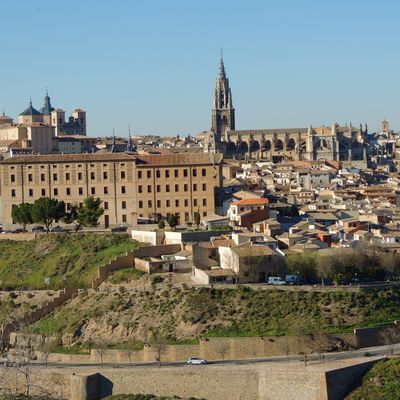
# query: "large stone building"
{"type": "Point", "coordinates": [35, 131]}
{"type": "Point", "coordinates": [341, 143]}
{"type": "Point", "coordinates": [131, 187]}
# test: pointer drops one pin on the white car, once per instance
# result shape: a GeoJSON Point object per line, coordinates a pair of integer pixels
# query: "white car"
{"type": "Point", "coordinates": [196, 361]}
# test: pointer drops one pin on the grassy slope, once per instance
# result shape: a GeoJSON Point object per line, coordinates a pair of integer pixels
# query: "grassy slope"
{"type": "Point", "coordinates": [381, 382]}
{"type": "Point", "coordinates": [181, 314]}
{"type": "Point", "coordinates": [72, 257]}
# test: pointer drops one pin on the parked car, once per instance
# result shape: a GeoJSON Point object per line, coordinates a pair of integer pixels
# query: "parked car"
{"type": "Point", "coordinates": [196, 361]}
{"type": "Point", "coordinates": [293, 280]}
{"type": "Point", "coordinates": [38, 228]}
{"type": "Point", "coordinates": [276, 280]}
{"type": "Point", "coordinates": [121, 228]}
{"type": "Point", "coordinates": [59, 228]}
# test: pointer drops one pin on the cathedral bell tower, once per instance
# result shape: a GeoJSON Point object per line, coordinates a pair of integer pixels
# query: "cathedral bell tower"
{"type": "Point", "coordinates": [223, 113]}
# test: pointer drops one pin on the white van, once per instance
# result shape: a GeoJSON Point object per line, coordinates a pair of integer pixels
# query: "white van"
{"type": "Point", "coordinates": [276, 280]}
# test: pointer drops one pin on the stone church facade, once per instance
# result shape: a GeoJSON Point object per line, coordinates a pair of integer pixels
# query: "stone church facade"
{"type": "Point", "coordinates": [341, 143]}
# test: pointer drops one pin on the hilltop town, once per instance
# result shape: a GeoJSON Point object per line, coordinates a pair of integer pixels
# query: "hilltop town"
{"type": "Point", "coordinates": [238, 245]}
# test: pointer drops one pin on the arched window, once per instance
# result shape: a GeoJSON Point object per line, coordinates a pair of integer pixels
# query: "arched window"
{"type": "Point", "coordinates": [291, 144]}
{"type": "Point", "coordinates": [243, 147]}
{"type": "Point", "coordinates": [278, 145]}
{"type": "Point", "coordinates": [255, 145]}
{"type": "Point", "coordinates": [267, 145]}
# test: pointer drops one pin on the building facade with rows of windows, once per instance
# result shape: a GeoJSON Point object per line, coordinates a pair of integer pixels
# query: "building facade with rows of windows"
{"type": "Point", "coordinates": [132, 187]}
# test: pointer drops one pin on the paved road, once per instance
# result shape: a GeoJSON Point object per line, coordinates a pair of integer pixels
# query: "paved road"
{"type": "Point", "coordinates": [378, 351]}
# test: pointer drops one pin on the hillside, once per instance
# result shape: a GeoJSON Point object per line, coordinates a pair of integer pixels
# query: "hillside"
{"type": "Point", "coordinates": [381, 382]}
{"type": "Point", "coordinates": [67, 259]}
{"type": "Point", "coordinates": [115, 316]}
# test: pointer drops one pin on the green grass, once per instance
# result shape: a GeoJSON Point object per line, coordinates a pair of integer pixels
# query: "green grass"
{"type": "Point", "coordinates": [381, 382]}
{"type": "Point", "coordinates": [225, 312]}
{"type": "Point", "coordinates": [124, 275]}
{"type": "Point", "coordinates": [69, 260]}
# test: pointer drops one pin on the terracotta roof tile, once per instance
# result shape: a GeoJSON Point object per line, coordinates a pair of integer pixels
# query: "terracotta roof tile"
{"type": "Point", "coordinates": [251, 202]}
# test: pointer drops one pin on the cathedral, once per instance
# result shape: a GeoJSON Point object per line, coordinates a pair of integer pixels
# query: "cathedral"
{"type": "Point", "coordinates": [341, 143]}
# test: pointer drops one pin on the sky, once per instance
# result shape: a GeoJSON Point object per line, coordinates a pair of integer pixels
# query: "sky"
{"type": "Point", "coordinates": [152, 64]}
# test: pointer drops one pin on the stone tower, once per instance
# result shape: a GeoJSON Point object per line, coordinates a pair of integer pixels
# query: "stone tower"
{"type": "Point", "coordinates": [47, 109]}
{"type": "Point", "coordinates": [223, 113]}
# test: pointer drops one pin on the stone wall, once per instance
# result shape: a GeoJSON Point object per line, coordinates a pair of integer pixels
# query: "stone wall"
{"type": "Point", "coordinates": [18, 236]}
{"type": "Point", "coordinates": [63, 296]}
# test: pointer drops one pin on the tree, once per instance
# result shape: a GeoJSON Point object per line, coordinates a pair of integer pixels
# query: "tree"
{"type": "Point", "coordinates": [161, 224]}
{"type": "Point", "coordinates": [302, 265]}
{"type": "Point", "coordinates": [171, 219]}
{"type": "Point", "coordinates": [47, 346]}
{"type": "Point", "coordinates": [222, 348]}
{"type": "Point", "coordinates": [159, 343]}
{"type": "Point", "coordinates": [90, 213]}
{"type": "Point", "coordinates": [46, 211]}
{"type": "Point", "coordinates": [22, 214]}
{"type": "Point", "coordinates": [71, 217]}
{"type": "Point", "coordinates": [100, 348]}
{"type": "Point", "coordinates": [129, 348]}
{"type": "Point", "coordinates": [197, 219]}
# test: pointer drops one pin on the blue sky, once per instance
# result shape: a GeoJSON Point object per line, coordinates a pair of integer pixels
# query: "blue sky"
{"type": "Point", "coordinates": [152, 64]}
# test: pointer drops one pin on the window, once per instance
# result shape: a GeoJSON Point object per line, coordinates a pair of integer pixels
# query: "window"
{"type": "Point", "coordinates": [158, 188]}
{"type": "Point", "coordinates": [176, 203]}
{"type": "Point", "coordinates": [139, 174]}
{"type": "Point", "coordinates": [54, 177]}
{"type": "Point", "coordinates": [185, 187]}
{"type": "Point", "coordinates": [186, 216]}
{"type": "Point", "coordinates": [123, 218]}
{"type": "Point", "coordinates": [204, 213]}
{"type": "Point", "coordinates": [68, 191]}
{"type": "Point", "coordinates": [80, 176]}
{"type": "Point", "coordinates": [123, 189]}
{"type": "Point", "coordinates": [167, 203]}
{"type": "Point", "coordinates": [149, 204]}
{"type": "Point", "coordinates": [105, 190]}
{"type": "Point", "coordinates": [67, 176]}
{"type": "Point", "coordinates": [194, 187]}
{"type": "Point", "coordinates": [167, 188]}
{"type": "Point", "coordinates": [30, 177]}
{"type": "Point", "coordinates": [92, 176]}
{"type": "Point", "coordinates": [203, 172]}
{"type": "Point", "coordinates": [93, 190]}
{"type": "Point", "coordinates": [12, 192]}
{"type": "Point", "coordinates": [42, 177]}
{"type": "Point", "coordinates": [176, 173]}
{"type": "Point", "coordinates": [105, 175]}
{"type": "Point", "coordinates": [148, 188]}
{"type": "Point", "coordinates": [158, 174]}
{"type": "Point", "coordinates": [55, 192]}
{"type": "Point", "coordinates": [204, 187]}
{"type": "Point", "coordinates": [140, 204]}
{"type": "Point", "coordinates": [43, 192]}
{"type": "Point", "coordinates": [80, 191]}
{"type": "Point", "coordinates": [158, 203]}
{"type": "Point", "coordinates": [176, 188]}
{"type": "Point", "coordinates": [185, 172]}
{"type": "Point", "coordinates": [186, 203]}
{"type": "Point", "coordinates": [123, 205]}
{"type": "Point", "coordinates": [195, 202]}
{"type": "Point", "coordinates": [167, 173]}
{"type": "Point", "coordinates": [30, 192]}
{"type": "Point", "coordinates": [122, 174]}
{"type": "Point", "coordinates": [204, 202]}
{"type": "Point", "coordinates": [194, 172]}
{"type": "Point", "coordinates": [148, 174]}
{"type": "Point", "coordinates": [106, 205]}
{"type": "Point", "coordinates": [140, 189]}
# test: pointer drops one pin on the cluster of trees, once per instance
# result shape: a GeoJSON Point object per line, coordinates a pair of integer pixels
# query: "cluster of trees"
{"type": "Point", "coordinates": [46, 211]}
{"type": "Point", "coordinates": [346, 266]}
{"type": "Point", "coordinates": [172, 221]}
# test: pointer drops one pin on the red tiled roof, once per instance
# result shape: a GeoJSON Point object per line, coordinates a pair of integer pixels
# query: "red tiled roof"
{"type": "Point", "coordinates": [251, 202]}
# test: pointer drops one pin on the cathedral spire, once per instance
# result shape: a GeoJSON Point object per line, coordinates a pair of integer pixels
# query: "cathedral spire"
{"type": "Point", "coordinates": [221, 71]}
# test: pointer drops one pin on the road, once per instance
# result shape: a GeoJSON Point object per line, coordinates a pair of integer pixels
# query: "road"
{"type": "Point", "coordinates": [378, 351]}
